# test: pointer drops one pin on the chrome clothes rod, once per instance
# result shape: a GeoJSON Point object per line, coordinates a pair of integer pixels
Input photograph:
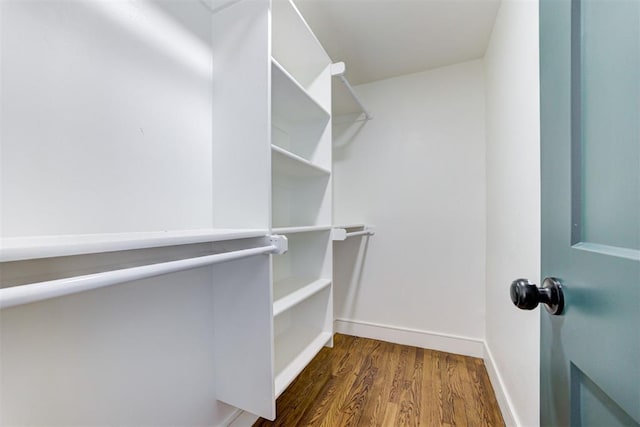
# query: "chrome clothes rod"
{"type": "Point", "coordinates": [25, 294]}
{"type": "Point", "coordinates": [338, 70]}
{"type": "Point", "coordinates": [340, 233]}
{"type": "Point", "coordinates": [360, 233]}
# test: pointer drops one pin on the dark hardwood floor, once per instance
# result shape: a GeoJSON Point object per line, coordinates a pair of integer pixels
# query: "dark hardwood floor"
{"type": "Point", "coordinates": [363, 382]}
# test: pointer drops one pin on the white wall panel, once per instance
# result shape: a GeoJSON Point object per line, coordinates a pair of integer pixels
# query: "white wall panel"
{"type": "Point", "coordinates": [141, 353]}
{"type": "Point", "coordinates": [513, 204]}
{"type": "Point", "coordinates": [417, 173]}
{"type": "Point", "coordinates": [106, 113]}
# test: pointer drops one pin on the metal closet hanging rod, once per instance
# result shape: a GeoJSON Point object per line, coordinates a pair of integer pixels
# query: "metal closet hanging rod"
{"type": "Point", "coordinates": [366, 232]}
{"type": "Point", "coordinates": [340, 232]}
{"type": "Point", "coordinates": [337, 70]}
{"type": "Point", "coordinates": [25, 294]}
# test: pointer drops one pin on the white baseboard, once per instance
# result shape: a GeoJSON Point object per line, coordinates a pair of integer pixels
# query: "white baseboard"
{"type": "Point", "coordinates": [424, 339]}
{"type": "Point", "coordinates": [502, 396]}
{"type": "Point", "coordinates": [239, 418]}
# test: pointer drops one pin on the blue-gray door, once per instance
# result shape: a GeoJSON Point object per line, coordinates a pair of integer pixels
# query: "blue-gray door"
{"type": "Point", "coordinates": [590, 131]}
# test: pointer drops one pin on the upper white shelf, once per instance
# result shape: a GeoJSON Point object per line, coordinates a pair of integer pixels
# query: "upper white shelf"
{"type": "Point", "coordinates": [23, 248]}
{"type": "Point", "coordinates": [290, 101]}
{"type": "Point", "coordinates": [298, 50]}
{"type": "Point", "coordinates": [287, 163]}
{"type": "Point", "coordinates": [293, 290]}
{"type": "Point", "coordinates": [349, 226]}
{"type": "Point", "coordinates": [302, 229]}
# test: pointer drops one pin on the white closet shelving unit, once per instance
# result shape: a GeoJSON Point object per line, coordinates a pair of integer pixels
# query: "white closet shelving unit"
{"type": "Point", "coordinates": [301, 192]}
{"type": "Point", "coordinates": [152, 144]}
{"type": "Point", "coordinates": [225, 140]}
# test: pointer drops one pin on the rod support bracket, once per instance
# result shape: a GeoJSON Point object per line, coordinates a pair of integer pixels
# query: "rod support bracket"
{"type": "Point", "coordinates": [338, 69]}
{"type": "Point", "coordinates": [280, 242]}
{"type": "Point", "coordinates": [338, 234]}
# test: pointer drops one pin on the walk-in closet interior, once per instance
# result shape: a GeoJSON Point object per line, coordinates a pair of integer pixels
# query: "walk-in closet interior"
{"type": "Point", "coordinates": [196, 195]}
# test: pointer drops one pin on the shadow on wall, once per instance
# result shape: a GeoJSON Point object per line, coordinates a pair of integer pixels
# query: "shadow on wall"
{"type": "Point", "coordinates": [349, 258]}
{"type": "Point", "coordinates": [344, 133]}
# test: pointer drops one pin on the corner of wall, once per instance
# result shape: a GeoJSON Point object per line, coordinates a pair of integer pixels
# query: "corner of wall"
{"type": "Point", "coordinates": [499, 388]}
{"type": "Point", "coordinates": [511, 132]}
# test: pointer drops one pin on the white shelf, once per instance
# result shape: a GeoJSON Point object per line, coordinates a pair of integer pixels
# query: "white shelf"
{"type": "Point", "coordinates": [290, 101]}
{"type": "Point", "coordinates": [289, 164]}
{"type": "Point", "coordinates": [296, 351]}
{"type": "Point", "coordinates": [349, 226]}
{"type": "Point", "coordinates": [293, 290]}
{"type": "Point", "coordinates": [296, 47]}
{"type": "Point", "coordinates": [23, 248]}
{"type": "Point", "coordinates": [305, 229]}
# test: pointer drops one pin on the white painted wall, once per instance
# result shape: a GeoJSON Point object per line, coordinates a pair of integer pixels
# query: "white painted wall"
{"type": "Point", "coordinates": [136, 354]}
{"type": "Point", "coordinates": [87, 90]}
{"type": "Point", "coordinates": [107, 127]}
{"type": "Point", "coordinates": [416, 172]}
{"type": "Point", "coordinates": [513, 205]}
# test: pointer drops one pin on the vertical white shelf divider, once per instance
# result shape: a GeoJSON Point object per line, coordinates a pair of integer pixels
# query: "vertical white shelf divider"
{"type": "Point", "coordinates": [244, 334]}
{"type": "Point", "coordinates": [301, 193]}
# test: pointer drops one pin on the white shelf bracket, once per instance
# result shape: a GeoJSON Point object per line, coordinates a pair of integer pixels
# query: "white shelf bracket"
{"type": "Point", "coordinates": [339, 234]}
{"type": "Point", "coordinates": [338, 69]}
{"type": "Point", "coordinates": [280, 242]}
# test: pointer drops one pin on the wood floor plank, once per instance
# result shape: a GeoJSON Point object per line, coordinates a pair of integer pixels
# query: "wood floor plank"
{"type": "Point", "coordinates": [352, 408]}
{"type": "Point", "coordinates": [390, 414]}
{"type": "Point", "coordinates": [477, 414]}
{"type": "Point", "coordinates": [309, 383]}
{"type": "Point", "coordinates": [447, 391]}
{"type": "Point", "coordinates": [345, 381]}
{"type": "Point", "coordinates": [363, 382]}
{"type": "Point", "coordinates": [490, 405]}
{"type": "Point", "coordinates": [375, 408]}
{"type": "Point", "coordinates": [399, 375]}
{"type": "Point", "coordinates": [342, 364]}
{"type": "Point", "coordinates": [454, 369]}
{"type": "Point", "coordinates": [428, 414]}
{"type": "Point", "coordinates": [409, 410]}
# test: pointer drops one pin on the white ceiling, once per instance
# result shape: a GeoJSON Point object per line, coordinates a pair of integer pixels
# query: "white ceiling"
{"type": "Point", "coordinates": [378, 39]}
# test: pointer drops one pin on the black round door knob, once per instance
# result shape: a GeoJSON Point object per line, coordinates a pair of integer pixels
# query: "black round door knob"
{"type": "Point", "coordinates": [526, 296]}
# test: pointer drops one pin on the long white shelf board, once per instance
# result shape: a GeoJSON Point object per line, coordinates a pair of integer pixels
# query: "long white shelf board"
{"type": "Point", "coordinates": [290, 100]}
{"type": "Point", "coordinates": [348, 226]}
{"type": "Point", "coordinates": [288, 370]}
{"type": "Point", "coordinates": [23, 248]}
{"type": "Point", "coordinates": [288, 163]}
{"type": "Point", "coordinates": [301, 229]}
{"type": "Point", "coordinates": [293, 290]}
